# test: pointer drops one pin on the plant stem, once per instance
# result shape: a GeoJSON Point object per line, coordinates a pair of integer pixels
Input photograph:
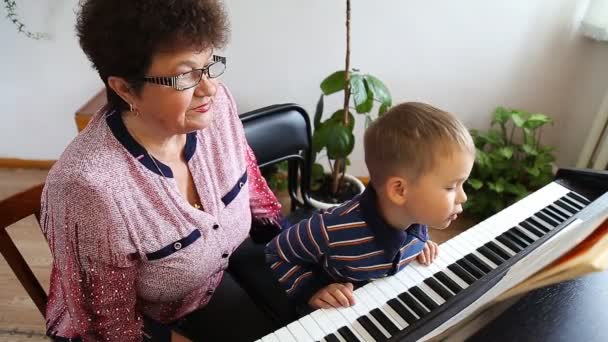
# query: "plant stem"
{"type": "Point", "coordinates": [347, 66]}
{"type": "Point", "coordinates": [335, 179]}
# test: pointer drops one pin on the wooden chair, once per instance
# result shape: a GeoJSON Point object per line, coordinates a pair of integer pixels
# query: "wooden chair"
{"type": "Point", "coordinates": [12, 210]}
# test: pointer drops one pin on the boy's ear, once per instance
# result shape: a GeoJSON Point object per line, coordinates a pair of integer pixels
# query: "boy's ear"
{"type": "Point", "coordinates": [396, 190]}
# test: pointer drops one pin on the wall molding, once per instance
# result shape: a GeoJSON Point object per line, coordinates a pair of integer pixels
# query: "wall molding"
{"type": "Point", "coordinates": [15, 163]}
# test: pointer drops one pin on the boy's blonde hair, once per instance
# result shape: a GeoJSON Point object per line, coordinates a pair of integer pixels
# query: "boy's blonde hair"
{"type": "Point", "coordinates": [408, 139]}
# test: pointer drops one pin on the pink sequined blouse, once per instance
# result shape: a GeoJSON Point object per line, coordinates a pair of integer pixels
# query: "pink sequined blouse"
{"type": "Point", "coordinates": [125, 243]}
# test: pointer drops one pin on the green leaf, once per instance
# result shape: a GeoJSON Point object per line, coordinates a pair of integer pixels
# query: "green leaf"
{"type": "Point", "coordinates": [475, 183]}
{"type": "Point", "coordinates": [358, 92]}
{"type": "Point", "coordinates": [333, 83]}
{"type": "Point", "coordinates": [317, 171]}
{"type": "Point", "coordinates": [518, 119]}
{"type": "Point", "coordinates": [379, 89]}
{"type": "Point", "coordinates": [366, 106]}
{"type": "Point", "coordinates": [383, 109]}
{"type": "Point", "coordinates": [537, 120]}
{"type": "Point", "coordinates": [501, 115]}
{"type": "Point", "coordinates": [533, 171]}
{"type": "Point", "coordinates": [340, 141]}
{"type": "Point", "coordinates": [368, 121]}
{"type": "Point", "coordinates": [338, 116]}
{"type": "Point", "coordinates": [318, 112]}
{"type": "Point", "coordinates": [506, 152]}
{"type": "Point", "coordinates": [516, 189]}
{"type": "Point", "coordinates": [319, 138]}
{"type": "Point", "coordinates": [497, 187]}
{"type": "Point", "coordinates": [529, 149]}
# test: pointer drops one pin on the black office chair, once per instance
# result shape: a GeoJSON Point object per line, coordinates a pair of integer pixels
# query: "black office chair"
{"type": "Point", "coordinates": [283, 132]}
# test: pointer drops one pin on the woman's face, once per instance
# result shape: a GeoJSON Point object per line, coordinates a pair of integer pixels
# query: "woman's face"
{"type": "Point", "coordinates": [174, 111]}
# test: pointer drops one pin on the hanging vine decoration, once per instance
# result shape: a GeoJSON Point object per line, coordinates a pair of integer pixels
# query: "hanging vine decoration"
{"type": "Point", "coordinates": [11, 14]}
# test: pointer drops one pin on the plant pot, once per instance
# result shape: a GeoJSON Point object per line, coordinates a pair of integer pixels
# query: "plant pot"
{"type": "Point", "coordinates": [354, 181]}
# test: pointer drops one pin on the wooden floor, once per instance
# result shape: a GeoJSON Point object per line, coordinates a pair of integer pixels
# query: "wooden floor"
{"type": "Point", "coordinates": [20, 321]}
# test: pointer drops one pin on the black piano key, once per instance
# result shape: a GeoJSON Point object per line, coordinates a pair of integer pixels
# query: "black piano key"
{"type": "Point", "coordinates": [331, 338]}
{"type": "Point", "coordinates": [437, 287]}
{"type": "Point", "coordinates": [566, 207]}
{"type": "Point", "coordinates": [505, 241]}
{"type": "Point", "coordinates": [462, 273]}
{"type": "Point", "coordinates": [532, 222]}
{"type": "Point", "coordinates": [552, 214]}
{"type": "Point", "coordinates": [413, 304]}
{"type": "Point", "coordinates": [371, 329]}
{"type": "Point", "coordinates": [386, 323]}
{"type": "Point", "coordinates": [578, 206]}
{"type": "Point", "coordinates": [532, 229]}
{"type": "Point", "coordinates": [347, 334]}
{"type": "Point", "coordinates": [521, 235]}
{"type": "Point", "coordinates": [448, 282]}
{"type": "Point", "coordinates": [488, 253]}
{"type": "Point", "coordinates": [498, 250]}
{"type": "Point", "coordinates": [547, 219]}
{"type": "Point", "coordinates": [469, 267]}
{"type": "Point", "coordinates": [556, 210]}
{"type": "Point", "coordinates": [423, 298]}
{"type": "Point", "coordinates": [579, 198]}
{"type": "Point", "coordinates": [403, 311]}
{"type": "Point", "coordinates": [509, 234]}
{"type": "Point", "coordinates": [485, 268]}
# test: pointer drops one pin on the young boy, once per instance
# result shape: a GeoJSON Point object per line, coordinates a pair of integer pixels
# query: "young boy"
{"type": "Point", "coordinates": [418, 158]}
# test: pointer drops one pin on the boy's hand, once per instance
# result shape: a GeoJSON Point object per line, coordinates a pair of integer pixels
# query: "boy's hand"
{"type": "Point", "coordinates": [429, 253]}
{"type": "Point", "coordinates": [333, 295]}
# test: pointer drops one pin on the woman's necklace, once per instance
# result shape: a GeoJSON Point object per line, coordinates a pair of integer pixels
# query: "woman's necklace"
{"type": "Point", "coordinates": [195, 205]}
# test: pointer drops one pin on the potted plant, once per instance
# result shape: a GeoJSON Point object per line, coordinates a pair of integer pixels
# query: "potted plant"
{"type": "Point", "coordinates": [510, 163]}
{"type": "Point", "coordinates": [333, 138]}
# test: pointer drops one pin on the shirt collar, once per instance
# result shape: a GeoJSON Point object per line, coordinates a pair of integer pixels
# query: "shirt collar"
{"type": "Point", "coordinates": [120, 132]}
{"type": "Point", "coordinates": [390, 238]}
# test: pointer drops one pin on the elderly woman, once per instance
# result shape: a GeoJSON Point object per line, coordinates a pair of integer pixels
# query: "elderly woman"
{"type": "Point", "coordinates": [146, 208]}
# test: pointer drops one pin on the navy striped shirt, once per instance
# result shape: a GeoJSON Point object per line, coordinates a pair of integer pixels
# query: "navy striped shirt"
{"type": "Point", "coordinates": [349, 243]}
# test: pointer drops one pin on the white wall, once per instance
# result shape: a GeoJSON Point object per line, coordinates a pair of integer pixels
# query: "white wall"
{"type": "Point", "coordinates": [464, 56]}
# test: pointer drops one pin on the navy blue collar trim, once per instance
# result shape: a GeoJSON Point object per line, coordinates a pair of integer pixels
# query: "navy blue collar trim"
{"type": "Point", "coordinates": [120, 132]}
{"type": "Point", "coordinates": [389, 238]}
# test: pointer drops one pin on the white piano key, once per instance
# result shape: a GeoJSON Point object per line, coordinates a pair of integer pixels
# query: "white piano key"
{"type": "Point", "coordinates": [351, 316]}
{"type": "Point", "coordinates": [284, 335]}
{"type": "Point", "coordinates": [573, 199]}
{"type": "Point", "coordinates": [298, 332]}
{"type": "Point", "coordinates": [312, 328]}
{"type": "Point", "coordinates": [431, 293]}
{"type": "Point", "coordinates": [543, 223]}
{"type": "Point", "coordinates": [270, 338]}
{"type": "Point", "coordinates": [471, 248]}
{"type": "Point", "coordinates": [371, 305]}
{"type": "Point", "coordinates": [381, 297]}
{"type": "Point", "coordinates": [527, 233]}
{"type": "Point", "coordinates": [339, 320]}
{"type": "Point", "coordinates": [323, 321]}
{"type": "Point", "coordinates": [555, 209]}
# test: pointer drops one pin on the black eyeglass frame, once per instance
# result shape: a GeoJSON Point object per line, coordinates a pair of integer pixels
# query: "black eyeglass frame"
{"type": "Point", "coordinates": [171, 81]}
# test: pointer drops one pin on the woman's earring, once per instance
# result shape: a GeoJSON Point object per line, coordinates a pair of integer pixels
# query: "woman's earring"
{"type": "Point", "coordinates": [133, 110]}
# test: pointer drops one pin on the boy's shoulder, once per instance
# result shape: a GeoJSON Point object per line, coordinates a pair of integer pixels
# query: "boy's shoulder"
{"type": "Point", "coordinates": [347, 212]}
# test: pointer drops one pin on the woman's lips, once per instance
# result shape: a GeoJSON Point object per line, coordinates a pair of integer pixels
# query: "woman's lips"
{"type": "Point", "coordinates": [202, 108]}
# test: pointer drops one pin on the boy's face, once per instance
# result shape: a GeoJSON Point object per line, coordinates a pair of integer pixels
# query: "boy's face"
{"type": "Point", "coordinates": [436, 198]}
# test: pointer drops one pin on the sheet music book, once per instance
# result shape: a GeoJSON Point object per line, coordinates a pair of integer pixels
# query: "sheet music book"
{"type": "Point", "coordinates": [591, 255]}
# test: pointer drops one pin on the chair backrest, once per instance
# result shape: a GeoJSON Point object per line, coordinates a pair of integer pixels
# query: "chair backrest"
{"type": "Point", "coordinates": [283, 132]}
{"type": "Point", "coordinates": [12, 210]}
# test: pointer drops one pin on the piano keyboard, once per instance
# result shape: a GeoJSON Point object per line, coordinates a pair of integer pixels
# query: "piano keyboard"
{"type": "Point", "coordinates": [392, 307]}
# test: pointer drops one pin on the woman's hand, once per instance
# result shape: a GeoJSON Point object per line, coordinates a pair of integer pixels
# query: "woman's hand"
{"type": "Point", "coordinates": [429, 253]}
{"type": "Point", "coordinates": [334, 295]}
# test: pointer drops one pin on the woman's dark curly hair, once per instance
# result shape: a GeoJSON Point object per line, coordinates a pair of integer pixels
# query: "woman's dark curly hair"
{"type": "Point", "coordinates": [120, 37]}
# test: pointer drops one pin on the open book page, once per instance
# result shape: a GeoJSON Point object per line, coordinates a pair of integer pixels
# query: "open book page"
{"type": "Point", "coordinates": [591, 255]}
